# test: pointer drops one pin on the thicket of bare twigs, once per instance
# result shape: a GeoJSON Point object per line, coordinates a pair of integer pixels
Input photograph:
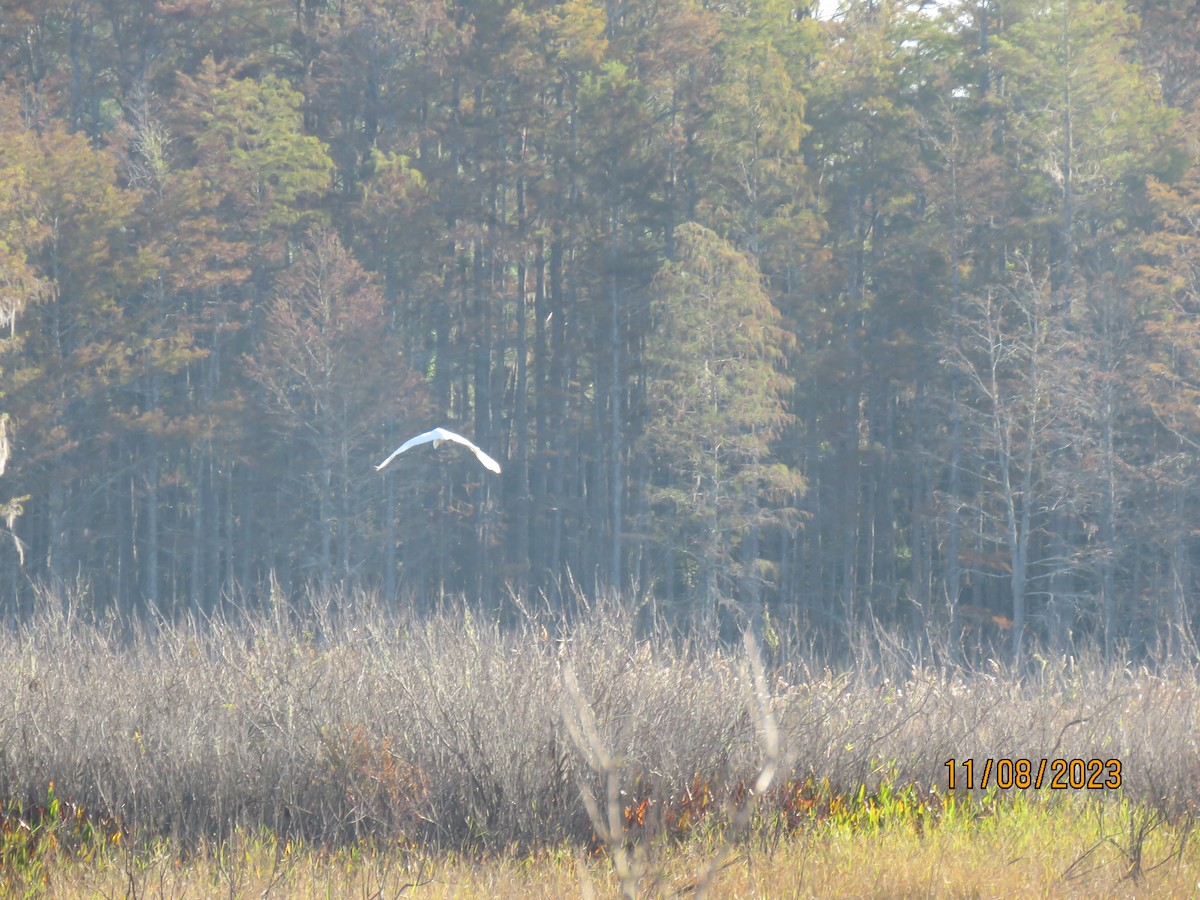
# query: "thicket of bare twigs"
{"type": "Point", "coordinates": [349, 720]}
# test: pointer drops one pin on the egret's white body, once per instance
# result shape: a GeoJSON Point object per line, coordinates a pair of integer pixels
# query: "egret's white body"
{"type": "Point", "coordinates": [436, 437]}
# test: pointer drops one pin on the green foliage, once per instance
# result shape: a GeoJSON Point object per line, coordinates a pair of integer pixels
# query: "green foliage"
{"type": "Point", "coordinates": [573, 33]}
{"type": "Point", "coordinates": [1085, 124]}
{"type": "Point", "coordinates": [248, 136]}
{"type": "Point", "coordinates": [717, 399]}
{"type": "Point", "coordinates": [36, 840]}
{"type": "Point", "coordinates": [756, 131]}
{"type": "Point", "coordinates": [20, 231]}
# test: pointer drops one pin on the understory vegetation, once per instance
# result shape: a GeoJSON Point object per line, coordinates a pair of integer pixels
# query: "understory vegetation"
{"type": "Point", "coordinates": [344, 743]}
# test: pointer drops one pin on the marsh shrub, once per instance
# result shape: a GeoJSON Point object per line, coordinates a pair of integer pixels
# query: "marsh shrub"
{"type": "Point", "coordinates": [448, 729]}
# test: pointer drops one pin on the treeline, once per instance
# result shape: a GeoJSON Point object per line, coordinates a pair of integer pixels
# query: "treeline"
{"type": "Point", "coordinates": [892, 314]}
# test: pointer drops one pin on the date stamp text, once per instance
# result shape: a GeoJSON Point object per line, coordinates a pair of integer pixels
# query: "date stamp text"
{"type": "Point", "coordinates": [1055, 774]}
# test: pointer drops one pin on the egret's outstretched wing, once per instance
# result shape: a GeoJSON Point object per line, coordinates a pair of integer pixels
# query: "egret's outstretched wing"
{"type": "Point", "coordinates": [441, 434]}
{"type": "Point", "coordinates": [436, 437]}
{"type": "Point", "coordinates": [411, 442]}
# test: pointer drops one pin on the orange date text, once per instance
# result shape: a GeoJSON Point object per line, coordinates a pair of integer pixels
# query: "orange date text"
{"type": "Point", "coordinates": [1055, 774]}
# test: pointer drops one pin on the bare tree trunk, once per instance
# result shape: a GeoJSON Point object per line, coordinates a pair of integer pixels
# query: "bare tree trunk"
{"type": "Point", "coordinates": [196, 587]}
{"type": "Point", "coordinates": [389, 542]}
{"type": "Point", "coordinates": [617, 476]}
{"type": "Point", "coordinates": [150, 579]}
{"type": "Point", "coordinates": [56, 561]}
{"type": "Point", "coordinates": [324, 522]}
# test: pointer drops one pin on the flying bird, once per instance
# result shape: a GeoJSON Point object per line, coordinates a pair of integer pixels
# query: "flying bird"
{"type": "Point", "coordinates": [437, 436]}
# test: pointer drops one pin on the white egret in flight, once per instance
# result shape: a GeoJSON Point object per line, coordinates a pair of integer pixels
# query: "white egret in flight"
{"type": "Point", "coordinates": [437, 436]}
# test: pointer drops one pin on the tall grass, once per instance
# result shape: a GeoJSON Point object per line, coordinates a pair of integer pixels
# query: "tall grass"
{"type": "Point", "coordinates": [346, 721]}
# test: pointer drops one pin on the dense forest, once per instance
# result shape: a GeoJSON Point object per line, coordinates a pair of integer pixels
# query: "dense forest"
{"type": "Point", "coordinates": [887, 312]}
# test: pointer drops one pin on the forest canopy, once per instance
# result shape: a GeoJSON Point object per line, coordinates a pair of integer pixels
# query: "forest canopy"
{"type": "Point", "coordinates": [889, 312]}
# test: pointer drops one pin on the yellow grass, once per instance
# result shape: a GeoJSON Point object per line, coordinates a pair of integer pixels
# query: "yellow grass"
{"type": "Point", "coordinates": [1069, 847]}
